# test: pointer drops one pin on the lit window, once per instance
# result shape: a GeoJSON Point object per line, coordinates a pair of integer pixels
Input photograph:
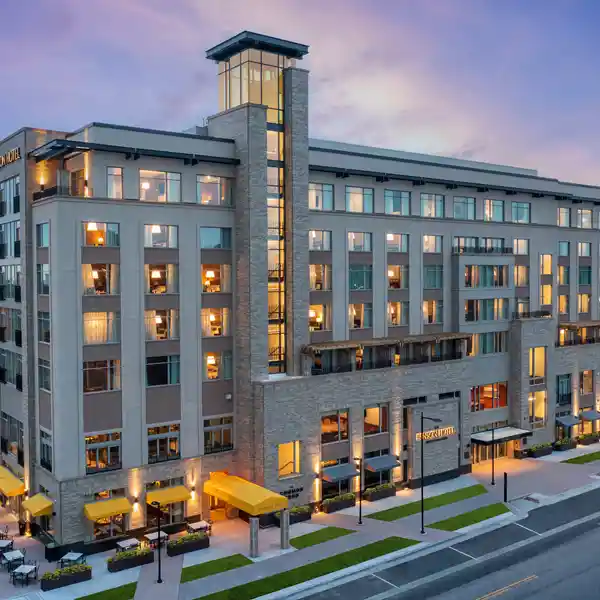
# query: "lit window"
{"type": "Point", "coordinates": [114, 183]}
{"type": "Point", "coordinates": [160, 236]}
{"type": "Point", "coordinates": [216, 279]}
{"type": "Point", "coordinates": [162, 279]}
{"type": "Point", "coordinates": [563, 275]}
{"type": "Point", "coordinates": [319, 277]}
{"type": "Point", "coordinates": [318, 318]}
{"type": "Point", "coordinates": [159, 186]}
{"type": "Point", "coordinates": [564, 217]}
{"type": "Point", "coordinates": [586, 382]}
{"type": "Point", "coordinates": [320, 196]}
{"type": "Point", "coordinates": [100, 234]}
{"type": "Point", "coordinates": [319, 240]}
{"type": "Point", "coordinates": [162, 324]}
{"type": "Point", "coordinates": [537, 409]}
{"type": "Point", "coordinates": [584, 218]}
{"type": "Point", "coordinates": [493, 210]}
{"type": "Point", "coordinates": [397, 242]}
{"type": "Point", "coordinates": [546, 295]}
{"type": "Point", "coordinates": [215, 322]}
{"type": "Point", "coordinates": [101, 327]}
{"type": "Point", "coordinates": [360, 316]}
{"type": "Point", "coordinates": [433, 312]}
{"type": "Point", "coordinates": [537, 364]}
{"type": "Point", "coordinates": [218, 365]}
{"type": "Point", "coordinates": [288, 459]}
{"type": "Point", "coordinates": [334, 427]}
{"type": "Point", "coordinates": [584, 249]}
{"type": "Point", "coordinates": [397, 314]}
{"type": "Point", "coordinates": [376, 419]}
{"type": "Point", "coordinates": [583, 303]}
{"type": "Point", "coordinates": [563, 304]}
{"type": "Point", "coordinates": [359, 242]}
{"type": "Point", "coordinates": [359, 200]}
{"type": "Point", "coordinates": [100, 279]}
{"type": "Point", "coordinates": [545, 264]}
{"type": "Point", "coordinates": [397, 276]}
{"type": "Point", "coordinates": [213, 191]}
{"type": "Point", "coordinates": [432, 244]}
{"type": "Point", "coordinates": [432, 205]}
{"type": "Point", "coordinates": [521, 247]}
{"type": "Point", "coordinates": [521, 275]}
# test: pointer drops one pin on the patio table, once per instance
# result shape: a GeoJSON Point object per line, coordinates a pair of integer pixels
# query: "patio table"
{"type": "Point", "coordinates": [22, 573]}
{"type": "Point", "coordinates": [71, 558]}
{"type": "Point", "coordinates": [127, 544]}
{"type": "Point", "coordinates": [199, 526]}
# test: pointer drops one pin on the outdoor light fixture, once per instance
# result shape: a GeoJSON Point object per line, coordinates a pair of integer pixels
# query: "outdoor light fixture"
{"type": "Point", "coordinates": [91, 226]}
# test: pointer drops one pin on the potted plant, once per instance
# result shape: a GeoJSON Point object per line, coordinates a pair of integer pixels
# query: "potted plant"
{"type": "Point", "coordinates": [129, 559]}
{"type": "Point", "coordinates": [565, 444]}
{"type": "Point", "coordinates": [67, 576]}
{"type": "Point", "coordinates": [188, 543]}
{"type": "Point", "coordinates": [336, 503]}
{"type": "Point", "coordinates": [378, 492]}
{"type": "Point", "coordinates": [585, 439]}
{"type": "Point", "coordinates": [297, 514]}
{"type": "Point", "coordinates": [540, 450]}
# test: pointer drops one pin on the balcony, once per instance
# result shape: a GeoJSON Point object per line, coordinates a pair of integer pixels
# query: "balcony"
{"type": "Point", "coordinates": [536, 314]}
{"type": "Point", "coordinates": [477, 250]}
{"type": "Point", "coordinates": [102, 469]}
{"type": "Point", "coordinates": [447, 356]}
{"type": "Point", "coordinates": [577, 341]}
{"type": "Point", "coordinates": [216, 448]}
{"type": "Point", "coordinates": [326, 370]}
{"type": "Point", "coordinates": [57, 190]}
{"type": "Point", "coordinates": [162, 457]}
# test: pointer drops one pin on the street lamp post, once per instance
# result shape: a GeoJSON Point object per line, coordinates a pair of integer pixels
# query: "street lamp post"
{"type": "Point", "coordinates": [493, 454]}
{"type": "Point", "coordinates": [360, 488]}
{"type": "Point", "coordinates": [433, 420]}
{"type": "Point", "coordinates": [157, 506]}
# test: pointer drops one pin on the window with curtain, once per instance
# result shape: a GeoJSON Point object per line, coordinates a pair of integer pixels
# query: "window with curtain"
{"type": "Point", "coordinates": [162, 324]}
{"type": "Point", "coordinates": [397, 277]}
{"type": "Point", "coordinates": [160, 236]}
{"type": "Point", "coordinates": [216, 279]}
{"type": "Point", "coordinates": [360, 316]}
{"type": "Point", "coordinates": [493, 210]}
{"type": "Point", "coordinates": [396, 242]}
{"type": "Point", "coordinates": [162, 279]}
{"type": "Point", "coordinates": [432, 205]}
{"type": "Point", "coordinates": [359, 242]}
{"type": "Point", "coordinates": [100, 234]}
{"type": "Point", "coordinates": [215, 322]}
{"type": "Point", "coordinates": [397, 314]}
{"type": "Point", "coordinates": [218, 365]}
{"type": "Point", "coordinates": [100, 279]}
{"type": "Point", "coordinates": [211, 190]}
{"type": "Point", "coordinates": [101, 327]}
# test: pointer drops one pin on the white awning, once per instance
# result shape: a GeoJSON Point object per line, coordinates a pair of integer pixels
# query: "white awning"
{"type": "Point", "coordinates": [502, 434]}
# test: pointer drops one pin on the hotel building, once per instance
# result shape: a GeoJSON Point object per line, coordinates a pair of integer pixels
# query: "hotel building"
{"type": "Point", "coordinates": [242, 298]}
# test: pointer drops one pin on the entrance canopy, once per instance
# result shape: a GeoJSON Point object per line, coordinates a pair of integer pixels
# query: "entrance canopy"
{"type": "Point", "coordinates": [501, 435]}
{"type": "Point", "coordinates": [169, 495]}
{"type": "Point", "coordinates": [38, 505]}
{"type": "Point", "coordinates": [10, 485]}
{"type": "Point", "coordinates": [381, 463]}
{"type": "Point", "coordinates": [590, 415]}
{"type": "Point", "coordinates": [243, 494]}
{"type": "Point", "coordinates": [339, 473]}
{"type": "Point", "coordinates": [103, 509]}
{"type": "Point", "coordinates": [568, 421]}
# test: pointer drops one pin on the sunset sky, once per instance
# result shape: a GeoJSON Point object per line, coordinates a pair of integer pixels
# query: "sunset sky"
{"type": "Point", "coordinates": [506, 81]}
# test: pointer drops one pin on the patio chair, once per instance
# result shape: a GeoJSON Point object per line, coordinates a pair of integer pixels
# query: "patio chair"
{"type": "Point", "coordinates": [3, 561]}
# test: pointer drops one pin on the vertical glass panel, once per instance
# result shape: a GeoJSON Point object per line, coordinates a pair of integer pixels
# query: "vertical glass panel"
{"type": "Point", "coordinates": [254, 91]}
{"type": "Point", "coordinates": [234, 87]}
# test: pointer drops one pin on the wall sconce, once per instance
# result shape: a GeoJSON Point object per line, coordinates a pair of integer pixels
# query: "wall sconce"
{"type": "Point", "coordinates": [136, 504]}
{"type": "Point", "coordinates": [193, 492]}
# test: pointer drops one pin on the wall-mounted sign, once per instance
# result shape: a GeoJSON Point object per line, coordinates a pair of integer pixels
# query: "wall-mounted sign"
{"type": "Point", "coordinates": [436, 434]}
{"type": "Point", "coordinates": [10, 157]}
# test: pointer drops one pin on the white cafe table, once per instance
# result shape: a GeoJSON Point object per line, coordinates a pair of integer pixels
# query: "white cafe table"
{"type": "Point", "coordinates": [127, 544]}
{"type": "Point", "coordinates": [199, 526]}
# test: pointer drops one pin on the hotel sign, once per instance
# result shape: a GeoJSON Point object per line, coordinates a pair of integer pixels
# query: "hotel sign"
{"type": "Point", "coordinates": [10, 157]}
{"type": "Point", "coordinates": [436, 434]}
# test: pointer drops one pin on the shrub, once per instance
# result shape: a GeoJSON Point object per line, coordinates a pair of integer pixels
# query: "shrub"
{"type": "Point", "coordinates": [342, 497]}
{"type": "Point", "coordinates": [298, 510]}
{"type": "Point", "coordinates": [564, 442]}
{"type": "Point", "coordinates": [539, 446]}
{"type": "Point", "coordinates": [381, 486]}
{"type": "Point", "coordinates": [66, 571]}
{"type": "Point", "coordinates": [185, 539]}
{"type": "Point", "coordinates": [129, 554]}
{"type": "Point", "coordinates": [587, 436]}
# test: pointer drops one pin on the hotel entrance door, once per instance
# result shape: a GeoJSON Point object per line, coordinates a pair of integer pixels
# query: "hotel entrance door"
{"type": "Point", "coordinates": [484, 453]}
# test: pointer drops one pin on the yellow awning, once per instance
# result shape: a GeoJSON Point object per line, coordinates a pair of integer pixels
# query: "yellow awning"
{"type": "Point", "coordinates": [168, 495]}
{"type": "Point", "coordinates": [9, 484]}
{"type": "Point", "coordinates": [244, 495]}
{"type": "Point", "coordinates": [38, 505]}
{"type": "Point", "coordinates": [107, 508]}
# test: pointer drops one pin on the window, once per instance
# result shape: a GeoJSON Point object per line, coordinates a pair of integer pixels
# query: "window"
{"type": "Point", "coordinates": [545, 264]}
{"type": "Point", "coordinates": [101, 327]}
{"type": "Point", "coordinates": [563, 389]}
{"type": "Point", "coordinates": [212, 238]}
{"type": "Point", "coordinates": [521, 275]}
{"type": "Point", "coordinates": [521, 212]}
{"type": "Point", "coordinates": [563, 304]}
{"type": "Point", "coordinates": [215, 322]}
{"type": "Point", "coordinates": [583, 303]}
{"type": "Point", "coordinates": [275, 145]}
{"type": "Point", "coordinates": [563, 248]}
{"type": "Point", "coordinates": [12, 437]}
{"type": "Point", "coordinates": [397, 314]}
{"type": "Point", "coordinates": [163, 443]}
{"type": "Point", "coordinates": [43, 279]}
{"type": "Point", "coordinates": [218, 434]}
{"type": "Point", "coordinates": [584, 249]}
{"type": "Point", "coordinates": [584, 218]}
{"type": "Point", "coordinates": [319, 240]}
{"type": "Point", "coordinates": [376, 419]}
{"type": "Point", "coordinates": [162, 279]}
{"type": "Point", "coordinates": [586, 382]}
{"type": "Point", "coordinates": [489, 396]}
{"type": "Point", "coordinates": [432, 244]}
{"type": "Point", "coordinates": [564, 217]}
{"type": "Point", "coordinates": [359, 242]}
{"type": "Point", "coordinates": [10, 190]}
{"type": "Point", "coordinates": [491, 309]}
{"type": "Point", "coordinates": [493, 210]}
{"type": "Point", "coordinates": [433, 277]}
{"type": "Point", "coordinates": [537, 365]}
{"type": "Point", "coordinates": [359, 200]}
{"type": "Point", "coordinates": [492, 342]}
{"type": "Point", "coordinates": [216, 279]}
{"type": "Point", "coordinates": [397, 242]}
{"type": "Point", "coordinates": [43, 327]}
{"type": "Point", "coordinates": [101, 375]}
{"type": "Point", "coordinates": [432, 205]}
{"type": "Point", "coordinates": [563, 275]}
{"type": "Point", "coordinates": [319, 277]}
{"type": "Point", "coordinates": [585, 275]}
{"type": "Point", "coordinates": [536, 402]}
{"type": "Point", "coordinates": [44, 375]}
{"type": "Point", "coordinates": [100, 279]}
{"type": "Point", "coordinates": [360, 277]}
{"type": "Point", "coordinates": [486, 276]}
{"type": "Point", "coordinates": [462, 244]}
{"type": "Point", "coordinates": [521, 247]}
{"type": "Point", "coordinates": [218, 365]}
{"type": "Point", "coordinates": [158, 186]}
{"type": "Point", "coordinates": [102, 452]}
{"type": "Point", "coordinates": [545, 295]}
{"type": "Point", "coordinates": [46, 450]}
{"type": "Point", "coordinates": [10, 239]}
{"type": "Point", "coordinates": [162, 370]}
{"type": "Point", "coordinates": [334, 426]}
{"type": "Point", "coordinates": [101, 234]}
{"type": "Point", "coordinates": [215, 191]}
{"type": "Point", "coordinates": [11, 276]}
{"type": "Point", "coordinates": [288, 459]}
{"type": "Point", "coordinates": [320, 196]}
{"type": "Point", "coordinates": [12, 363]}
{"type": "Point", "coordinates": [42, 235]}
{"type": "Point", "coordinates": [114, 183]}
{"type": "Point", "coordinates": [360, 316]}
{"type": "Point", "coordinates": [464, 208]}
{"type": "Point", "coordinates": [433, 312]}
{"type": "Point", "coordinates": [162, 324]}
{"type": "Point", "coordinates": [397, 277]}
{"type": "Point", "coordinates": [169, 513]}
{"type": "Point", "coordinates": [397, 202]}
{"type": "Point", "coordinates": [160, 236]}
{"type": "Point", "coordinates": [522, 306]}
{"type": "Point", "coordinates": [318, 317]}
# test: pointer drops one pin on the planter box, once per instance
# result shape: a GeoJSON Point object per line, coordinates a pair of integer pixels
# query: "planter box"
{"type": "Point", "coordinates": [379, 494]}
{"type": "Point", "coordinates": [129, 563]}
{"type": "Point", "coordinates": [540, 452]}
{"type": "Point", "coordinates": [590, 440]}
{"type": "Point", "coordinates": [295, 518]}
{"type": "Point", "coordinates": [338, 505]}
{"type": "Point", "coordinates": [53, 584]}
{"type": "Point", "coordinates": [188, 547]}
{"type": "Point", "coordinates": [562, 447]}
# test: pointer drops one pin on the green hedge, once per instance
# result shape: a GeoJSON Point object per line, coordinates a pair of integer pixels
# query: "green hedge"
{"type": "Point", "coordinates": [128, 554]}
{"type": "Point", "coordinates": [349, 496]}
{"type": "Point", "coordinates": [184, 539]}
{"type": "Point", "coordinates": [66, 571]}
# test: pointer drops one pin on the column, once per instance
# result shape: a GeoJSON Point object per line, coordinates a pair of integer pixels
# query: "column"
{"type": "Point", "coordinates": [284, 524]}
{"type": "Point", "coordinates": [253, 521]}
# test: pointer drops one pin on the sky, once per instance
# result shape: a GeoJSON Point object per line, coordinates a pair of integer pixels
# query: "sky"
{"type": "Point", "coordinates": [505, 81]}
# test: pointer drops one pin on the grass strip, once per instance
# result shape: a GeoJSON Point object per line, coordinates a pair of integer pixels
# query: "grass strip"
{"type": "Point", "coordinates": [274, 583]}
{"type": "Point", "coordinates": [123, 592]}
{"type": "Point", "coordinates": [412, 508]}
{"type": "Point", "coordinates": [319, 536]}
{"type": "Point", "coordinates": [212, 567]}
{"type": "Point", "coordinates": [470, 518]}
{"type": "Point", "coordinates": [583, 459]}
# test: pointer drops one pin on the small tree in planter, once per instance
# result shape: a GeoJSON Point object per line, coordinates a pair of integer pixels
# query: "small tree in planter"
{"type": "Point", "coordinates": [336, 503]}
{"type": "Point", "coordinates": [540, 450]}
{"type": "Point", "coordinates": [129, 559]}
{"type": "Point", "coordinates": [565, 444]}
{"type": "Point", "coordinates": [188, 543]}
{"type": "Point", "coordinates": [378, 492]}
{"type": "Point", "coordinates": [297, 514]}
{"type": "Point", "coordinates": [67, 576]}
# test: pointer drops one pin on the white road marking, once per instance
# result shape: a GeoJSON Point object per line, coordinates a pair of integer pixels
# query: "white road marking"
{"type": "Point", "coordinates": [463, 553]}
{"type": "Point", "coordinates": [385, 580]}
{"type": "Point", "coordinates": [526, 528]}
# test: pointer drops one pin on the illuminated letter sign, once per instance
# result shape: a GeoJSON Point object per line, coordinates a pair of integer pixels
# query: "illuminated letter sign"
{"type": "Point", "coordinates": [10, 157]}
{"type": "Point", "coordinates": [436, 434]}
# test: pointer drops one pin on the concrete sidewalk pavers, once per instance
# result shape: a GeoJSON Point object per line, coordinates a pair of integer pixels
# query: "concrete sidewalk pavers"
{"type": "Point", "coordinates": [148, 589]}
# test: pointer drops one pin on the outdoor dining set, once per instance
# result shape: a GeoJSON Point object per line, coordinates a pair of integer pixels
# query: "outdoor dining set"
{"type": "Point", "coordinates": [19, 570]}
{"type": "Point", "coordinates": [152, 538]}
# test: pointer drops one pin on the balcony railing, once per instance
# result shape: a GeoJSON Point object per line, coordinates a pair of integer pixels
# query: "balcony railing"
{"type": "Point", "coordinates": [162, 457]}
{"type": "Point", "coordinates": [216, 448]}
{"type": "Point", "coordinates": [578, 341]}
{"type": "Point", "coordinates": [46, 464]}
{"type": "Point", "coordinates": [57, 190]}
{"type": "Point", "coordinates": [535, 314]}
{"type": "Point", "coordinates": [537, 380]}
{"type": "Point", "coordinates": [446, 356]}
{"type": "Point", "coordinates": [477, 250]}
{"type": "Point", "coordinates": [341, 368]}
{"type": "Point", "coordinates": [103, 469]}
{"type": "Point", "coordinates": [381, 363]}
